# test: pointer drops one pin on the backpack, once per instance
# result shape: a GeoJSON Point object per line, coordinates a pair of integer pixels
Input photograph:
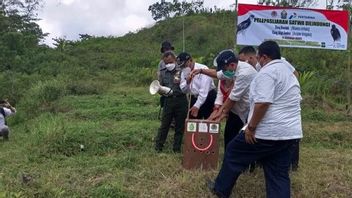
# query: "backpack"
{"type": "Point", "coordinates": [2, 111]}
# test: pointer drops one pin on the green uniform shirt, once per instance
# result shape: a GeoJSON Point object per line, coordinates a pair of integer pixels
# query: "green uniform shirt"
{"type": "Point", "coordinates": [171, 79]}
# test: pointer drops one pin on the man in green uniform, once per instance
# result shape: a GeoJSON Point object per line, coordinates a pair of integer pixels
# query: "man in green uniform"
{"type": "Point", "coordinates": [175, 105]}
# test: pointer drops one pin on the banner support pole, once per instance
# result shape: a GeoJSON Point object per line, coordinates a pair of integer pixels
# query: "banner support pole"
{"type": "Point", "coordinates": [235, 21]}
{"type": "Point", "coordinates": [349, 72]}
{"type": "Point", "coordinates": [349, 82]}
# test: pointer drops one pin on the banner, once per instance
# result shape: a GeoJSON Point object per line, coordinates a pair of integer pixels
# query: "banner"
{"type": "Point", "coordinates": [292, 27]}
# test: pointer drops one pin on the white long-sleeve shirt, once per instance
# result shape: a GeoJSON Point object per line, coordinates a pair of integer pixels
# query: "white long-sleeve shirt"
{"type": "Point", "coordinates": [220, 96]}
{"type": "Point", "coordinates": [200, 85]}
{"type": "Point", "coordinates": [245, 73]}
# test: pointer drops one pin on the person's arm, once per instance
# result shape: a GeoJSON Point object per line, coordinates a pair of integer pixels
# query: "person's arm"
{"type": "Point", "coordinates": [223, 111]}
{"type": "Point", "coordinates": [296, 73]}
{"type": "Point", "coordinates": [239, 89]}
{"type": "Point", "coordinates": [292, 68]}
{"type": "Point", "coordinates": [218, 102]}
{"type": "Point", "coordinates": [9, 110]}
{"type": "Point", "coordinates": [161, 66]}
{"type": "Point", "coordinates": [183, 83]}
{"type": "Point", "coordinates": [205, 85]}
{"type": "Point", "coordinates": [219, 96]}
{"type": "Point", "coordinates": [263, 96]}
{"type": "Point", "coordinates": [258, 113]}
{"type": "Point", "coordinates": [209, 72]}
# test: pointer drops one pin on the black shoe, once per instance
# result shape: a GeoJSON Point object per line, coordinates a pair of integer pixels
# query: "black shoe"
{"type": "Point", "coordinates": [211, 187]}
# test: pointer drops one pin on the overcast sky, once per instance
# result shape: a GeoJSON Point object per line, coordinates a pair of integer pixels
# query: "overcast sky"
{"type": "Point", "coordinates": [68, 18]}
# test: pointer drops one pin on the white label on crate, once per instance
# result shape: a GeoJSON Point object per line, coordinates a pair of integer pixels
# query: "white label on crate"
{"type": "Point", "coordinates": [191, 127]}
{"type": "Point", "coordinates": [203, 127]}
{"type": "Point", "coordinates": [214, 128]}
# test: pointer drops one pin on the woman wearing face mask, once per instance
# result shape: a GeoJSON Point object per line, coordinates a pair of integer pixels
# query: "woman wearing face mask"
{"type": "Point", "coordinates": [175, 106]}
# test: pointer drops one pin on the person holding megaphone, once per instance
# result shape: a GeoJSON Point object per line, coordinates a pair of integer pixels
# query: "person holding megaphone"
{"type": "Point", "coordinates": [175, 104]}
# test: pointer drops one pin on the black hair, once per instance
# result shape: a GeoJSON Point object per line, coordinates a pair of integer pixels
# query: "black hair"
{"type": "Point", "coordinates": [271, 49]}
{"type": "Point", "coordinates": [247, 50]}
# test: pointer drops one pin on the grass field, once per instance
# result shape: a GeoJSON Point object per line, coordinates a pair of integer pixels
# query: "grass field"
{"type": "Point", "coordinates": [44, 158]}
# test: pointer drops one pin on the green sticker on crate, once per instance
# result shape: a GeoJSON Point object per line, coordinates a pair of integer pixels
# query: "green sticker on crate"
{"type": "Point", "coordinates": [191, 127]}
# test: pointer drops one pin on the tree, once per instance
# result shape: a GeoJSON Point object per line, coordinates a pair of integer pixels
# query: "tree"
{"type": "Point", "coordinates": [160, 10]}
{"type": "Point", "coordinates": [25, 8]}
{"type": "Point", "coordinates": [84, 37]}
{"type": "Point", "coordinates": [163, 9]}
{"type": "Point", "coordinates": [339, 4]}
{"type": "Point", "coordinates": [18, 31]}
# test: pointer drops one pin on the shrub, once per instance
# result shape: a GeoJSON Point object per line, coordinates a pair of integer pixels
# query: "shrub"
{"type": "Point", "coordinates": [84, 88]}
{"type": "Point", "coordinates": [42, 95]}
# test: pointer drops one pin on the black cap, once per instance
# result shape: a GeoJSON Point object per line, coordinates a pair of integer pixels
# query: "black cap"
{"type": "Point", "coordinates": [182, 58]}
{"type": "Point", "coordinates": [166, 46]}
{"type": "Point", "coordinates": [224, 58]}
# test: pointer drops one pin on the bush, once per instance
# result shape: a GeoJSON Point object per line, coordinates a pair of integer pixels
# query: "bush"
{"type": "Point", "coordinates": [42, 95]}
{"type": "Point", "coordinates": [84, 88]}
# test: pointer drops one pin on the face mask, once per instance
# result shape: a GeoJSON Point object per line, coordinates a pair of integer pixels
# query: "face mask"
{"type": "Point", "coordinates": [229, 74]}
{"type": "Point", "coordinates": [170, 66]}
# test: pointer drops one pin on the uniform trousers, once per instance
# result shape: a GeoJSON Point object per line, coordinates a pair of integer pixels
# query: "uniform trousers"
{"type": "Point", "coordinates": [175, 107]}
{"type": "Point", "coordinates": [275, 157]}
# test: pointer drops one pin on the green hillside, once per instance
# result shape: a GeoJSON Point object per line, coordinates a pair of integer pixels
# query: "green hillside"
{"type": "Point", "coordinates": [94, 92]}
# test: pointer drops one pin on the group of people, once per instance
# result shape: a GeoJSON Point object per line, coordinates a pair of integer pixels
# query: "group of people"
{"type": "Point", "coordinates": [259, 94]}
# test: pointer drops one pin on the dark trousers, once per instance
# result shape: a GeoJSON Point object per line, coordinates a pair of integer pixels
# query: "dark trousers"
{"type": "Point", "coordinates": [295, 155]}
{"type": "Point", "coordinates": [4, 132]}
{"type": "Point", "coordinates": [274, 156]}
{"type": "Point", "coordinates": [207, 108]}
{"type": "Point", "coordinates": [174, 107]}
{"type": "Point", "coordinates": [233, 126]}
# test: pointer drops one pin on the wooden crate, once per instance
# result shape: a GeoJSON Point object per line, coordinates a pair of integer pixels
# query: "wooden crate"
{"type": "Point", "coordinates": [201, 148]}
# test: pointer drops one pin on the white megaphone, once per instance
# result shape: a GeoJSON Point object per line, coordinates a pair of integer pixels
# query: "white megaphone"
{"type": "Point", "coordinates": [155, 87]}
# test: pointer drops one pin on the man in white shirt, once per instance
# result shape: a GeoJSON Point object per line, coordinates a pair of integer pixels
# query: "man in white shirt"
{"type": "Point", "coordinates": [249, 55]}
{"type": "Point", "coordinates": [201, 87]}
{"type": "Point", "coordinates": [274, 125]}
{"type": "Point", "coordinates": [236, 107]}
{"type": "Point", "coordinates": [5, 110]}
